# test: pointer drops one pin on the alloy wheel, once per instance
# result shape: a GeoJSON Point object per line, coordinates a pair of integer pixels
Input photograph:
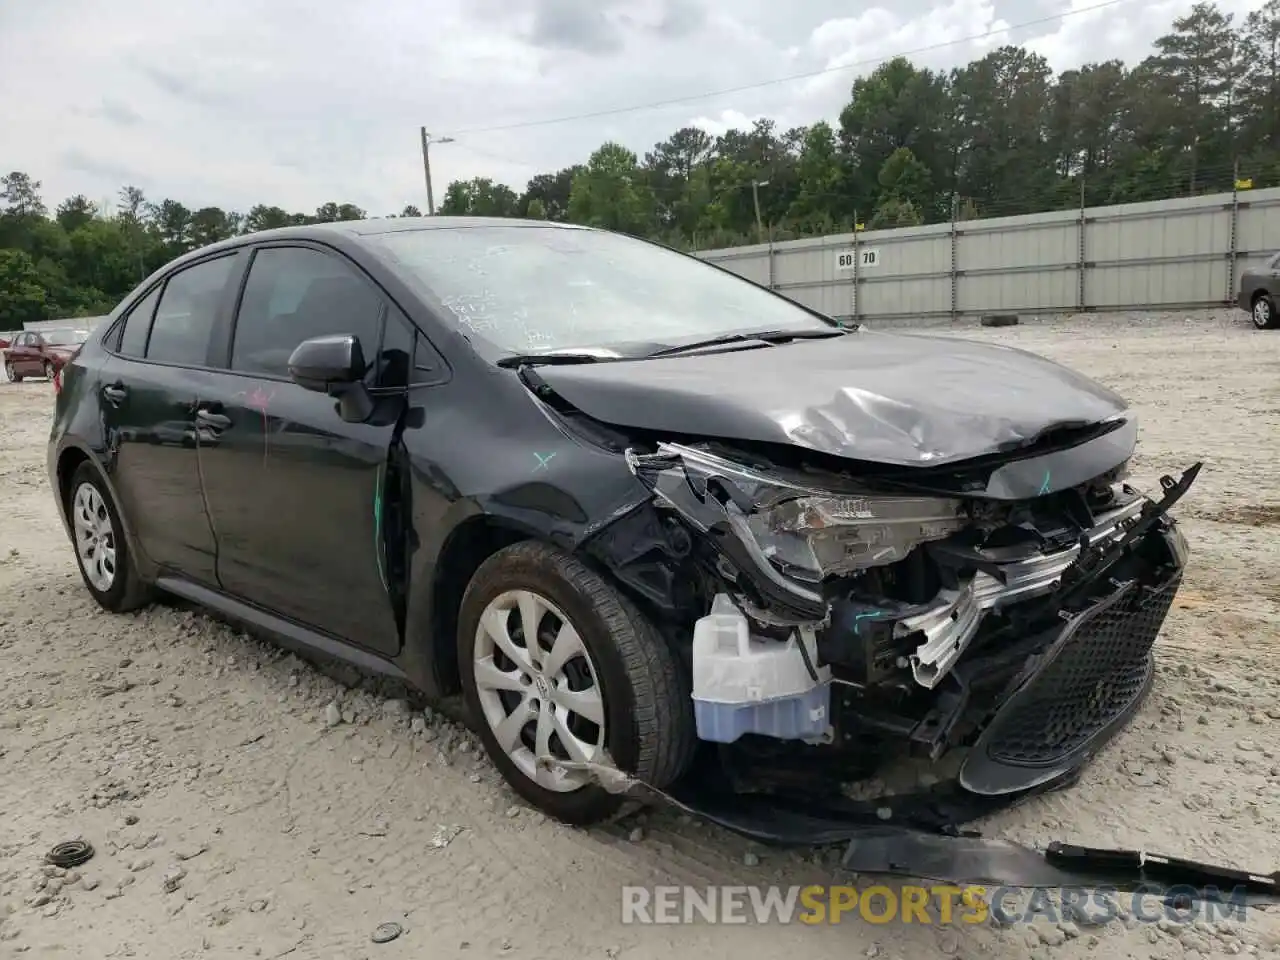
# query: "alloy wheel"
{"type": "Point", "coordinates": [95, 538]}
{"type": "Point", "coordinates": [8, 372]}
{"type": "Point", "coordinates": [1262, 313]}
{"type": "Point", "coordinates": [538, 688]}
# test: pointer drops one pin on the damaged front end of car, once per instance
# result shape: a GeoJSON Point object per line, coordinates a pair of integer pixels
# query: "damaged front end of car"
{"type": "Point", "coordinates": [851, 613]}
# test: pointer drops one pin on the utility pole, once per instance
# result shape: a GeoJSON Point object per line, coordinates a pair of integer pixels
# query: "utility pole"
{"type": "Point", "coordinates": [426, 166]}
{"type": "Point", "coordinates": [755, 196]}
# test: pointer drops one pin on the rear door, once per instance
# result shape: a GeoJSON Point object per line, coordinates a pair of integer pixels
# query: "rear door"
{"type": "Point", "coordinates": [149, 385]}
{"type": "Point", "coordinates": [294, 491]}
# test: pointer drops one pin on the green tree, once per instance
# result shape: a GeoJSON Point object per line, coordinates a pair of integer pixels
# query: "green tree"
{"type": "Point", "coordinates": [1259, 94]}
{"type": "Point", "coordinates": [611, 192]}
{"type": "Point", "coordinates": [21, 195]}
{"type": "Point", "coordinates": [904, 180]}
{"type": "Point", "coordinates": [171, 223]}
{"type": "Point", "coordinates": [480, 197]}
{"type": "Point", "coordinates": [1198, 65]}
{"type": "Point", "coordinates": [211, 224]}
{"type": "Point", "coordinates": [894, 212]}
{"type": "Point", "coordinates": [552, 189]}
{"type": "Point", "coordinates": [75, 212]}
{"type": "Point", "coordinates": [22, 292]}
{"type": "Point", "coordinates": [262, 217]}
{"type": "Point", "coordinates": [334, 212]}
{"type": "Point", "coordinates": [819, 179]}
{"type": "Point", "coordinates": [897, 105]}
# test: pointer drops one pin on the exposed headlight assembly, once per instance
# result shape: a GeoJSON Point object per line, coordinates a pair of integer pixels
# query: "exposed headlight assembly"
{"type": "Point", "coordinates": [820, 535]}
{"type": "Point", "coordinates": [801, 532]}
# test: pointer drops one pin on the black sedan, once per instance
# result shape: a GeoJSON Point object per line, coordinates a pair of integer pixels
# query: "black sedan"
{"type": "Point", "coordinates": [651, 519]}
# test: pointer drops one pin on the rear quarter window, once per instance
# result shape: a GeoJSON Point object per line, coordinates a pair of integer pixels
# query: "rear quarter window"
{"type": "Point", "coordinates": [137, 325]}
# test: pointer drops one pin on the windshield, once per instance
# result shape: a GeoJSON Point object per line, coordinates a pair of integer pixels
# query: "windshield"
{"type": "Point", "coordinates": [531, 289]}
{"type": "Point", "coordinates": [65, 338]}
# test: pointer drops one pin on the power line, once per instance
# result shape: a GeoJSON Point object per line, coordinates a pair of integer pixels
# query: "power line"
{"type": "Point", "coordinates": [495, 157]}
{"type": "Point", "coordinates": [694, 98]}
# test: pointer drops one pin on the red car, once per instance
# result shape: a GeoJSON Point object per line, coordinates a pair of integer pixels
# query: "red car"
{"type": "Point", "coordinates": [33, 354]}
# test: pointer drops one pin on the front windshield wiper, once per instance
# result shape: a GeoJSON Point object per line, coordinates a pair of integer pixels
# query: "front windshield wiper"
{"type": "Point", "coordinates": [536, 359]}
{"type": "Point", "coordinates": [767, 336]}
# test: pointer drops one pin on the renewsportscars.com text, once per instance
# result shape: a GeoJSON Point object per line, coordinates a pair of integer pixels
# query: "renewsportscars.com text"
{"type": "Point", "coordinates": [941, 904]}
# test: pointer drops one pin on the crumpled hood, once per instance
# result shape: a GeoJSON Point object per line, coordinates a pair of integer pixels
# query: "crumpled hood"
{"type": "Point", "coordinates": [896, 399]}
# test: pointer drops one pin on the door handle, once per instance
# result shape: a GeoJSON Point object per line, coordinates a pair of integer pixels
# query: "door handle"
{"type": "Point", "coordinates": [114, 394]}
{"type": "Point", "coordinates": [210, 419]}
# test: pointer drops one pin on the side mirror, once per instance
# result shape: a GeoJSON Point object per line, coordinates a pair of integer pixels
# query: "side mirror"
{"type": "Point", "coordinates": [328, 364]}
{"type": "Point", "coordinates": [334, 365]}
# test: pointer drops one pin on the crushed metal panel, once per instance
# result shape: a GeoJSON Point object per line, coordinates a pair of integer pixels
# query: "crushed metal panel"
{"type": "Point", "coordinates": [889, 399]}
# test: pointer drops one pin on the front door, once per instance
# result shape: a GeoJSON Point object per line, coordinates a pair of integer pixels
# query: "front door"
{"type": "Point", "coordinates": [294, 491]}
{"type": "Point", "coordinates": [148, 390]}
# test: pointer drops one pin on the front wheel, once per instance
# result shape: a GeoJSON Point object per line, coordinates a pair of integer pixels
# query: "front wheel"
{"type": "Point", "coordinates": [1264, 313]}
{"type": "Point", "coordinates": [556, 664]}
{"type": "Point", "coordinates": [102, 552]}
{"type": "Point", "coordinates": [12, 375]}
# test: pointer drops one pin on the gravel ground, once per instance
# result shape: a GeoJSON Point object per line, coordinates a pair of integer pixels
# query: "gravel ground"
{"type": "Point", "coordinates": [245, 803]}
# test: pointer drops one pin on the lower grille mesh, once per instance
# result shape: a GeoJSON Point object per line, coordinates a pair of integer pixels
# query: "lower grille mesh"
{"type": "Point", "coordinates": [1095, 678]}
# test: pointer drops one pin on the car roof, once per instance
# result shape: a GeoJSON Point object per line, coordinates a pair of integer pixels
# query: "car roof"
{"type": "Point", "coordinates": [379, 225]}
{"type": "Point", "coordinates": [356, 229]}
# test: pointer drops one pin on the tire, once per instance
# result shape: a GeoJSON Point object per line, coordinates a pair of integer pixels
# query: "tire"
{"type": "Point", "coordinates": [645, 697]}
{"type": "Point", "coordinates": [1263, 312]}
{"type": "Point", "coordinates": [999, 320]}
{"type": "Point", "coordinates": [125, 589]}
{"type": "Point", "coordinates": [48, 370]}
{"type": "Point", "coordinates": [13, 375]}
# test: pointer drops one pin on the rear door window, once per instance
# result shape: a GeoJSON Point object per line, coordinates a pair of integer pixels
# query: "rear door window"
{"type": "Point", "coordinates": [187, 312]}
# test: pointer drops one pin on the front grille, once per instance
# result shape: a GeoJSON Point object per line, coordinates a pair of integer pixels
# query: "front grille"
{"type": "Point", "coordinates": [1096, 677]}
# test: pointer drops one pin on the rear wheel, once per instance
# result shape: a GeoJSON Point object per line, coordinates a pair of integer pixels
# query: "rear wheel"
{"type": "Point", "coordinates": [558, 665]}
{"type": "Point", "coordinates": [48, 370]}
{"type": "Point", "coordinates": [1264, 312]}
{"type": "Point", "coordinates": [11, 374]}
{"type": "Point", "coordinates": [102, 551]}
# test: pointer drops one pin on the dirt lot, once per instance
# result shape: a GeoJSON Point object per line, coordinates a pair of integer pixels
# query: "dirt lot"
{"type": "Point", "coordinates": [233, 817]}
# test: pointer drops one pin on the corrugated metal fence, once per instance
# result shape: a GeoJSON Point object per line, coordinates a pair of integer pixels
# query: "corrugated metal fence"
{"type": "Point", "coordinates": [70, 323]}
{"type": "Point", "coordinates": [1170, 254]}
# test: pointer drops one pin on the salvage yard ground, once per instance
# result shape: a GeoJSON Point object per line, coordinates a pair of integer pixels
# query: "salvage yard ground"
{"type": "Point", "coordinates": [233, 816]}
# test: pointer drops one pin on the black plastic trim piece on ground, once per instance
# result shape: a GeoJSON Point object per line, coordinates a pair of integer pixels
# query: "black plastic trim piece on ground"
{"type": "Point", "coordinates": [793, 818]}
{"type": "Point", "coordinates": [70, 854]}
{"type": "Point", "coordinates": [893, 851]}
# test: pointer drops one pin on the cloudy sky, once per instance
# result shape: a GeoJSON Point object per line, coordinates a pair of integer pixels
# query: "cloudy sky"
{"type": "Point", "coordinates": [297, 102]}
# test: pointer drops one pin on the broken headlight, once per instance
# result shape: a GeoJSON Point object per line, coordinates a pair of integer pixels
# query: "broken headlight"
{"type": "Point", "coordinates": [818, 535]}
{"type": "Point", "coordinates": [804, 531]}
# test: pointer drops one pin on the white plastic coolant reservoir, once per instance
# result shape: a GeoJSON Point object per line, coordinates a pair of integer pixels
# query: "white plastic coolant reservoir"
{"type": "Point", "coordinates": [745, 684]}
